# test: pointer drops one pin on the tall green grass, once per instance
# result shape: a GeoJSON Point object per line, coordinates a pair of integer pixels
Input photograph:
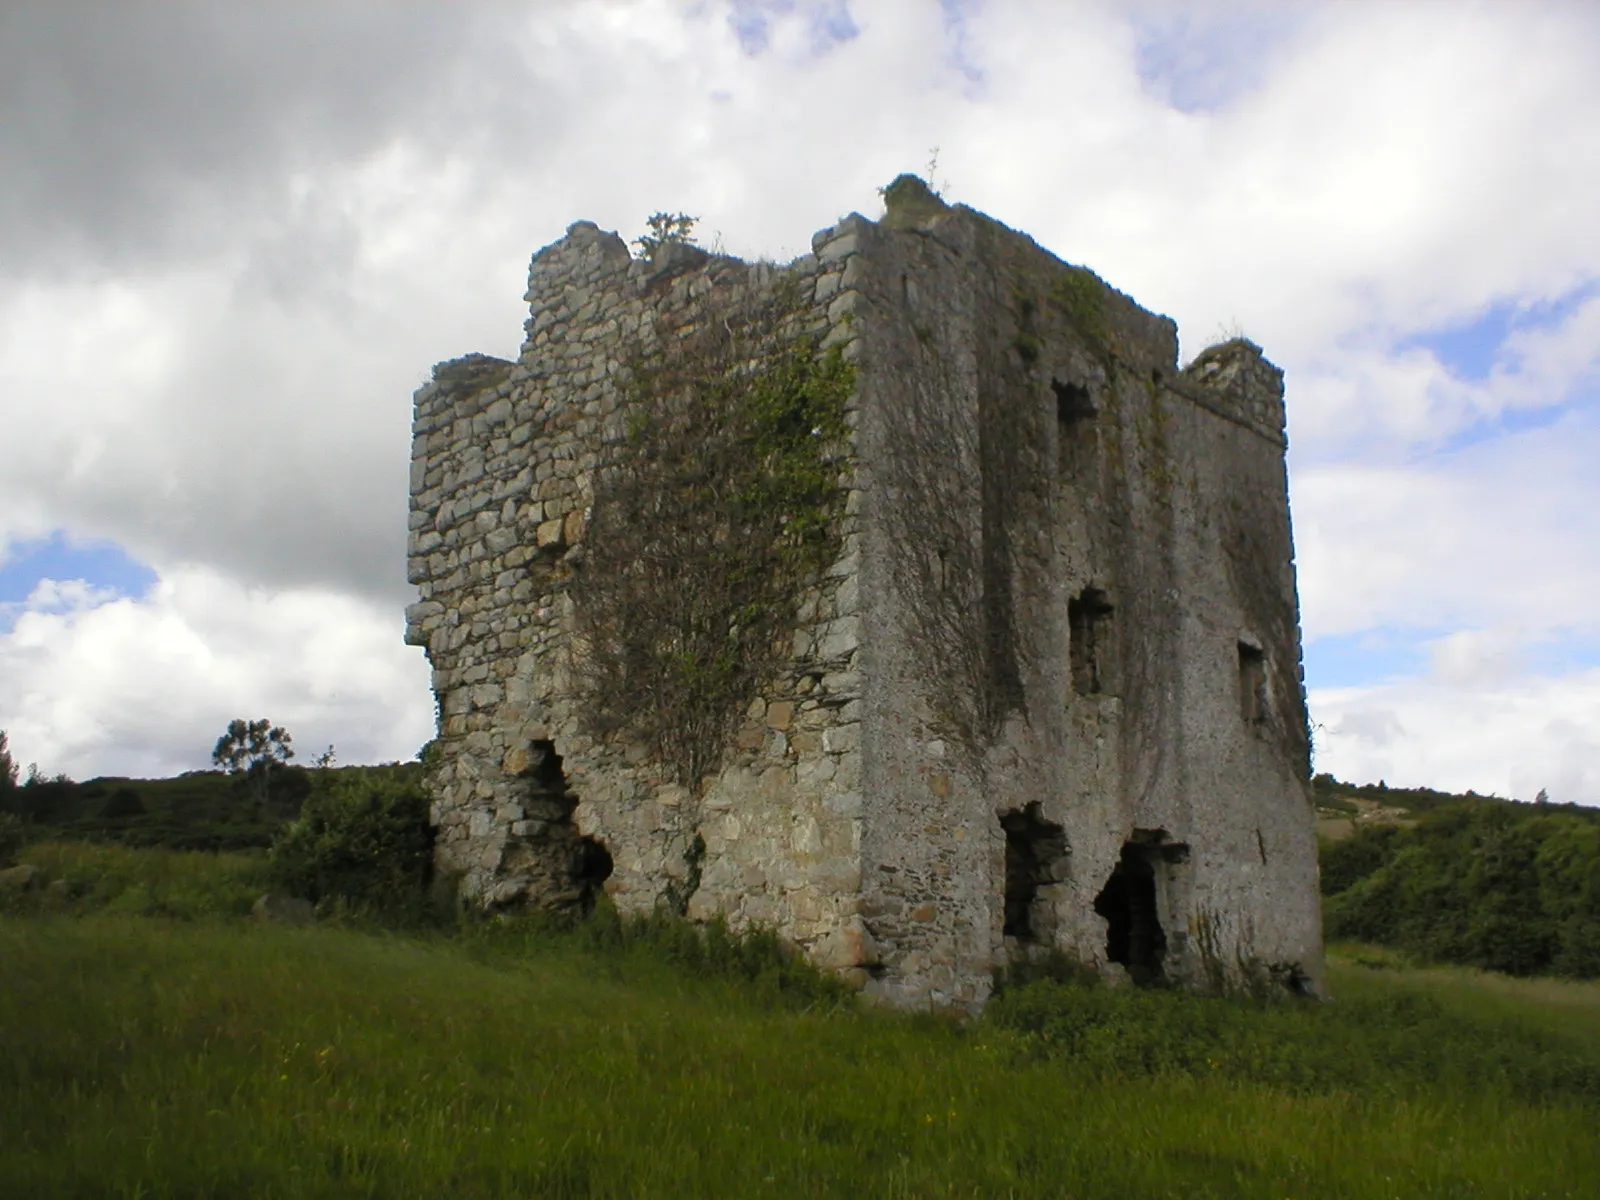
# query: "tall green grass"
{"type": "Point", "coordinates": [200, 1055]}
{"type": "Point", "coordinates": [185, 884]}
{"type": "Point", "coordinates": [165, 1059]}
{"type": "Point", "coordinates": [1564, 1007]}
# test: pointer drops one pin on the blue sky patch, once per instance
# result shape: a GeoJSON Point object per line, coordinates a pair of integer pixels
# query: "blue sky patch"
{"type": "Point", "coordinates": [1509, 421]}
{"type": "Point", "coordinates": [100, 564]}
{"type": "Point", "coordinates": [830, 23]}
{"type": "Point", "coordinates": [1367, 657]}
{"type": "Point", "coordinates": [1562, 654]}
{"type": "Point", "coordinates": [1375, 656]}
{"type": "Point", "coordinates": [1470, 349]}
{"type": "Point", "coordinates": [1201, 62]}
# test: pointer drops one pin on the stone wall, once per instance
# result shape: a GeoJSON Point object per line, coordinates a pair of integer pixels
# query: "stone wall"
{"type": "Point", "coordinates": [504, 466]}
{"type": "Point", "coordinates": [1079, 474]}
{"type": "Point", "coordinates": [1047, 697]}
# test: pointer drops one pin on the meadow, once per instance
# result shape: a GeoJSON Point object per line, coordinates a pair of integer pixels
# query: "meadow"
{"type": "Point", "coordinates": [156, 1043]}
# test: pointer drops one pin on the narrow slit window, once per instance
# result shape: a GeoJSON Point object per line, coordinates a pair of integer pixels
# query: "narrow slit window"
{"type": "Point", "coordinates": [1252, 683]}
{"type": "Point", "coordinates": [1089, 631]}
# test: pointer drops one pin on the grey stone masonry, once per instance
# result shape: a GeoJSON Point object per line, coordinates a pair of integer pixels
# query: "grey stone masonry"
{"type": "Point", "coordinates": [1047, 698]}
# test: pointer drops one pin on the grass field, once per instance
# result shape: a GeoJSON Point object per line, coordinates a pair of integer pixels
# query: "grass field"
{"type": "Point", "coordinates": [1557, 1006]}
{"type": "Point", "coordinates": [199, 1055]}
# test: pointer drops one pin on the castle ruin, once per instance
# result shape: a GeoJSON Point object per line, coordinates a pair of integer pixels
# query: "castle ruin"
{"type": "Point", "coordinates": [907, 599]}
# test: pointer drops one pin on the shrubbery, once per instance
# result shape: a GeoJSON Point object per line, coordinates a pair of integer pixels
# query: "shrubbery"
{"type": "Point", "coordinates": [11, 838]}
{"type": "Point", "coordinates": [1487, 884]}
{"type": "Point", "coordinates": [362, 837]}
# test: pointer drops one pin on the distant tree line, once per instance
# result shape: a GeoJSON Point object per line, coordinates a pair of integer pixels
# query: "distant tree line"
{"type": "Point", "coordinates": [1485, 883]}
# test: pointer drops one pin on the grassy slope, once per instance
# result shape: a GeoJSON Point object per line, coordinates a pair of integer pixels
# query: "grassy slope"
{"type": "Point", "coordinates": [153, 1058]}
{"type": "Point", "coordinates": [1556, 1006]}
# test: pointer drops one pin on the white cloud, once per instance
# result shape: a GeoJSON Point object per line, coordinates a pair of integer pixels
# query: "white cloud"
{"type": "Point", "coordinates": [1510, 737]}
{"type": "Point", "coordinates": [240, 234]}
{"type": "Point", "coordinates": [103, 685]}
{"type": "Point", "coordinates": [1499, 533]}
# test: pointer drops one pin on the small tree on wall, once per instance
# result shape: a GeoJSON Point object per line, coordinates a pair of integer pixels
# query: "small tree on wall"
{"type": "Point", "coordinates": [666, 229]}
{"type": "Point", "coordinates": [252, 750]}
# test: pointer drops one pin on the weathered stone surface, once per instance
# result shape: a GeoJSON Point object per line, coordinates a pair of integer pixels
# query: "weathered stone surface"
{"type": "Point", "coordinates": [1046, 698]}
{"type": "Point", "coordinates": [65, 891]}
{"type": "Point", "coordinates": [286, 910]}
{"type": "Point", "coordinates": [23, 877]}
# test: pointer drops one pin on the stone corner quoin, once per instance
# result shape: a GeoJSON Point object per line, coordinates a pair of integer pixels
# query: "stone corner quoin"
{"type": "Point", "coordinates": [1045, 694]}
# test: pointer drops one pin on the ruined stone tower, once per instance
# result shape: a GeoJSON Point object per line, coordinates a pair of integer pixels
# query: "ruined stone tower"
{"type": "Point", "coordinates": [907, 599]}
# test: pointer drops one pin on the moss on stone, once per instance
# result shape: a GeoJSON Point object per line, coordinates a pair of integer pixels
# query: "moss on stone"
{"type": "Point", "coordinates": [909, 201]}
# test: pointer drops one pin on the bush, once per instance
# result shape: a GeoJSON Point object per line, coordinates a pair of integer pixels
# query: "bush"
{"type": "Point", "coordinates": [1512, 888]}
{"type": "Point", "coordinates": [11, 838]}
{"type": "Point", "coordinates": [1346, 863]}
{"type": "Point", "coordinates": [363, 838]}
{"type": "Point", "coordinates": [124, 802]}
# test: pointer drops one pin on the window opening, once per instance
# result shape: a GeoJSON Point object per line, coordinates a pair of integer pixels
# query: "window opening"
{"type": "Point", "coordinates": [1036, 856]}
{"type": "Point", "coordinates": [1073, 403]}
{"type": "Point", "coordinates": [1131, 908]}
{"type": "Point", "coordinates": [1252, 683]}
{"type": "Point", "coordinates": [1089, 633]}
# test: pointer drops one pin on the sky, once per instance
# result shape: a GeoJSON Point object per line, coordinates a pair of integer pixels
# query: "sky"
{"type": "Point", "coordinates": [235, 236]}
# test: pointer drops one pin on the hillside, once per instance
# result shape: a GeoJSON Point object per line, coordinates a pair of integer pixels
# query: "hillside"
{"type": "Point", "coordinates": [198, 810]}
{"type": "Point", "coordinates": [1475, 880]}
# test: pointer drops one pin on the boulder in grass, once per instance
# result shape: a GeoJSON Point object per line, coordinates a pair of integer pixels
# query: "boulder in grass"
{"type": "Point", "coordinates": [22, 878]}
{"type": "Point", "coordinates": [285, 910]}
{"type": "Point", "coordinates": [65, 891]}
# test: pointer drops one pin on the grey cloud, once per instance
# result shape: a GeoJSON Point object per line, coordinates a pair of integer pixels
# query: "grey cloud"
{"type": "Point", "coordinates": [133, 130]}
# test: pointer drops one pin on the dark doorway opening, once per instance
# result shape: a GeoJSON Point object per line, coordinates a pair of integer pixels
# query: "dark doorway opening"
{"type": "Point", "coordinates": [566, 869]}
{"type": "Point", "coordinates": [588, 868]}
{"type": "Point", "coordinates": [1036, 856]}
{"type": "Point", "coordinates": [1131, 907]}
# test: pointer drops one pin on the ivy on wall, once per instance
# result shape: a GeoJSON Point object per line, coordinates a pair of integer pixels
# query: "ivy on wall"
{"type": "Point", "coordinates": [722, 505]}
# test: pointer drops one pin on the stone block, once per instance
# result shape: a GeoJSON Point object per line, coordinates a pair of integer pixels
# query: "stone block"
{"type": "Point", "coordinates": [850, 945]}
{"type": "Point", "coordinates": [549, 534]}
{"type": "Point", "coordinates": [841, 739]}
{"type": "Point", "coordinates": [840, 638]}
{"type": "Point", "coordinates": [277, 908]}
{"type": "Point", "coordinates": [839, 248]}
{"type": "Point", "coordinates": [24, 877]}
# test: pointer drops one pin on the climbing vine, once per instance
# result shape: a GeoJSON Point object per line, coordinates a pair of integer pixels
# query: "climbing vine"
{"type": "Point", "coordinates": [721, 506]}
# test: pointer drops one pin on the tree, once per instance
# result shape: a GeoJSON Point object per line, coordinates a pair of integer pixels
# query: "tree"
{"type": "Point", "coordinates": [666, 229]}
{"type": "Point", "coordinates": [250, 750]}
{"type": "Point", "coordinates": [8, 765]}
